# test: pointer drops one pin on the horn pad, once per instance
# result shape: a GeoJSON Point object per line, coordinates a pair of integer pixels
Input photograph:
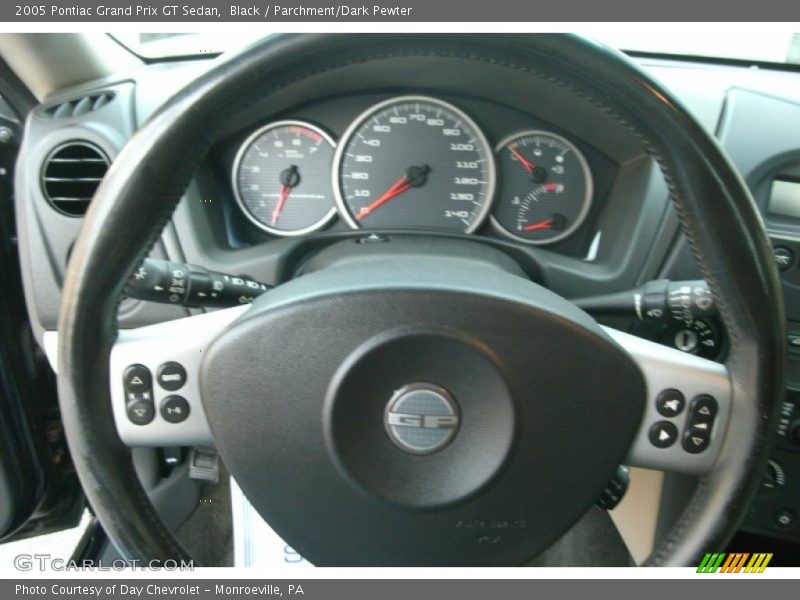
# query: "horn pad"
{"type": "Point", "coordinates": [398, 412]}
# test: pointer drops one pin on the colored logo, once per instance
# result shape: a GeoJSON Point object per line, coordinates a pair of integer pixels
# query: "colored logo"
{"type": "Point", "coordinates": [737, 562]}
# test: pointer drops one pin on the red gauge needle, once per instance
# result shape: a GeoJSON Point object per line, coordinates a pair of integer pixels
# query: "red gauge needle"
{"type": "Point", "coordinates": [414, 177]}
{"type": "Point", "coordinates": [289, 180]}
{"type": "Point", "coordinates": [397, 188]}
{"type": "Point", "coordinates": [555, 221]}
{"type": "Point", "coordinates": [282, 196]}
{"type": "Point", "coordinates": [543, 224]}
{"type": "Point", "coordinates": [528, 165]}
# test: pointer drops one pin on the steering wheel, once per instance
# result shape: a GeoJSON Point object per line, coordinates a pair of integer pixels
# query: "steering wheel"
{"type": "Point", "coordinates": [428, 332]}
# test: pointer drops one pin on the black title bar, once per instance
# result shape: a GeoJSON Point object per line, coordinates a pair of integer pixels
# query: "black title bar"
{"type": "Point", "coordinates": [210, 11]}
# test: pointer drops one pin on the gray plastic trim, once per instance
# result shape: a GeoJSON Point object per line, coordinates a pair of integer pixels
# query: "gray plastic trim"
{"type": "Point", "coordinates": [665, 368]}
{"type": "Point", "coordinates": [182, 341]}
{"type": "Point", "coordinates": [185, 340]}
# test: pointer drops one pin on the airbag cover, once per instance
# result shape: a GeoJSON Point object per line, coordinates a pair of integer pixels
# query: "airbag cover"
{"type": "Point", "coordinates": [297, 391]}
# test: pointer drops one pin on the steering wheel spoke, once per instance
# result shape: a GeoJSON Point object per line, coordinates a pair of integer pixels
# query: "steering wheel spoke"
{"type": "Point", "coordinates": [154, 380]}
{"type": "Point", "coordinates": [688, 404]}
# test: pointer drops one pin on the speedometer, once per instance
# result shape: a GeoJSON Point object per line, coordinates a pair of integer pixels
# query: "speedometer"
{"type": "Point", "coordinates": [414, 163]}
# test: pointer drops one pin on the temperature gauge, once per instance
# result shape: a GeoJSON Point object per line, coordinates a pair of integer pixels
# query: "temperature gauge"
{"type": "Point", "coordinates": [545, 187]}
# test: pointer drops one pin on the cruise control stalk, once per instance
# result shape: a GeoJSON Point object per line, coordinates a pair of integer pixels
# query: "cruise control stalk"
{"type": "Point", "coordinates": [660, 300]}
{"type": "Point", "coordinates": [191, 286]}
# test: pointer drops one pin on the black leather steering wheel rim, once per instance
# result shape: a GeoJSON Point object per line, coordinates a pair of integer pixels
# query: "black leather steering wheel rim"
{"type": "Point", "coordinates": [148, 178]}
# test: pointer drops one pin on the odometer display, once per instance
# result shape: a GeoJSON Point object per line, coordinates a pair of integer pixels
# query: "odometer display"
{"type": "Point", "coordinates": [414, 163]}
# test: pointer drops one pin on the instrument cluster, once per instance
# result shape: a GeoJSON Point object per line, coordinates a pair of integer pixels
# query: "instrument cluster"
{"type": "Point", "coordinates": [412, 163]}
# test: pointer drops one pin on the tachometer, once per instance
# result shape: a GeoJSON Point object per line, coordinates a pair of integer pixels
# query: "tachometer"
{"type": "Point", "coordinates": [280, 178]}
{"type": "Point", "coordinates": [414, 163]}
{"type": "Point", "coordinates": [546, 187]}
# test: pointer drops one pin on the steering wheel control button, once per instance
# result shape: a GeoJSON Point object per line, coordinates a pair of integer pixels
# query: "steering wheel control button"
{"type": "Point", "coordinates": [696, 439]}
{"type": "Point", "coordinates": [670, 403]}
{"type": "Point", "coordinates": [784, 258]}
{"type": "Point", "coordinates": [663, 434]}
{"type": "Point", "coordinates": [137, 379]}
{"type": "Point", "coordinates": [702, 412]}
{"type": "Point", "coordinates": [171, 376]}
{"type": "Point", "coordinates": [174, 409]}
{"type": "Point", "coordinates": [421, 418]}
{"type": "Point", "coordinates": [140, 409]}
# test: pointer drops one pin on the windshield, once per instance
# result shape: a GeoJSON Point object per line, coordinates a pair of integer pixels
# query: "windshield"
{"type": "Point", "coordinates": [167, 45]}
{"type": "Point", "coordinates": [764, 47]}
{"type": "Point", "coordinates": [767, 46]}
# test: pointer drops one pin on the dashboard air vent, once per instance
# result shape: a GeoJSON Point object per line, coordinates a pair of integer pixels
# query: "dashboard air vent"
{"type": "Point", "coordinates": [77, 106]}
{"type": "Point", "coordinates": [71, 175]}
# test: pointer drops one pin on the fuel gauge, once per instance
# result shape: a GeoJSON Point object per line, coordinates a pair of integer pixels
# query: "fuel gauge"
{"type": "Point", "coordinates": [545, 187]}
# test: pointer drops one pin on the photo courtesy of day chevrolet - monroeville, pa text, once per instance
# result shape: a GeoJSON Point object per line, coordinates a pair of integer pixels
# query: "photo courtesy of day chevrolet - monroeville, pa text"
{"type": "Point", "coordinates": [317, 299]}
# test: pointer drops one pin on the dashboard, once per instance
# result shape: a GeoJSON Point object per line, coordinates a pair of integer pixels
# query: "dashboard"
{"type": "Point", "coordinates": [566, 191]}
